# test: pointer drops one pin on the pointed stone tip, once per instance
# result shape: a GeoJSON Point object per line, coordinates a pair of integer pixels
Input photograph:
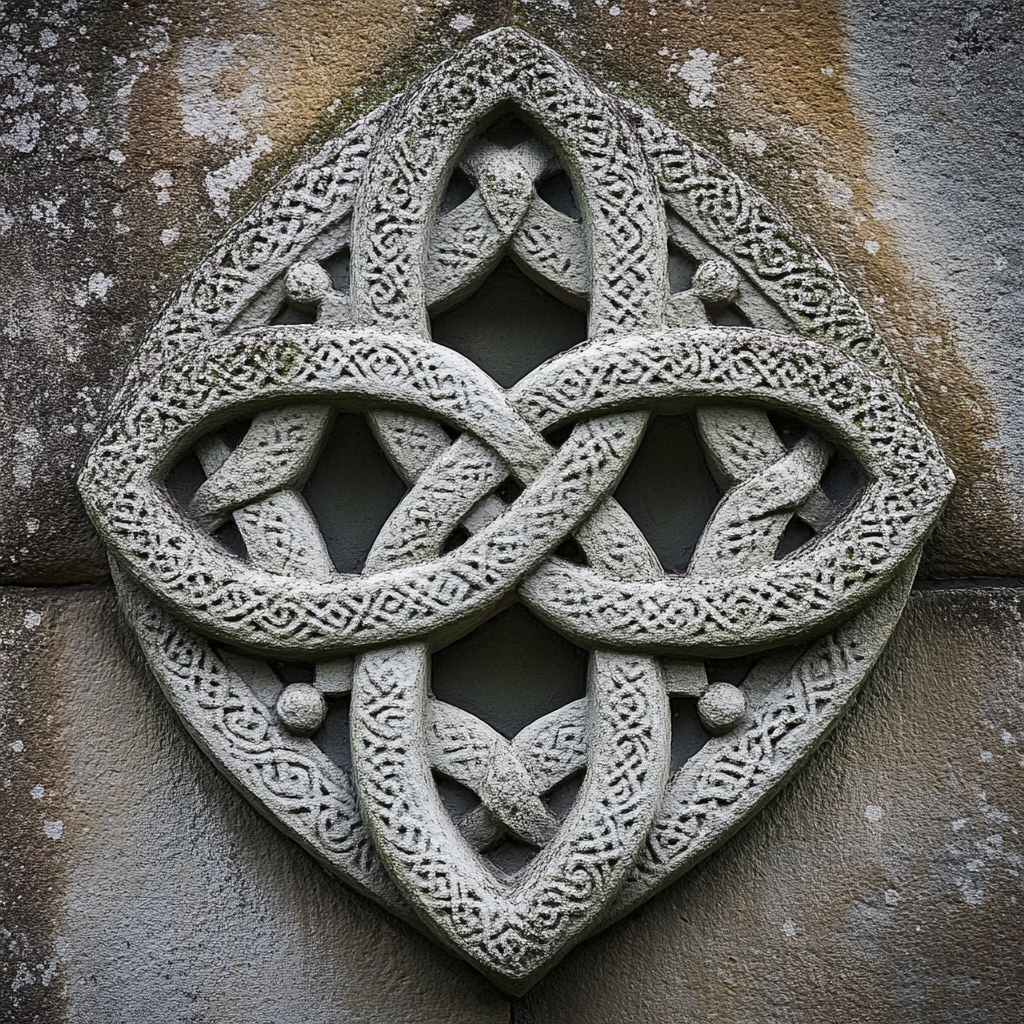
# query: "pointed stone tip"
{"type": "Point", "coordinates": [508, 34]}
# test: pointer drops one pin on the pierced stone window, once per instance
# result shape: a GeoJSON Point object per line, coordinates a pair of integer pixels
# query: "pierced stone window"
{"type": "Point", "coordinates": [510, 502]}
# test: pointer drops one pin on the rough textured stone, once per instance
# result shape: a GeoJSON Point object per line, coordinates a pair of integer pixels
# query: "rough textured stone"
{"type": "Point", "coordinates": [137, 885]}
{"type": "Point", "coordinates": [890, 136]}
{"type": "Point", "coordinates": [941, 99]}
{"type": "Point", "coordinates": [880, 887]}
{"type": "Point", "coordinates": [883, 886]}
{"type": "Point", "coordinates": [233, 340]}
{"type": "Point", "coordinates": [138, 129]}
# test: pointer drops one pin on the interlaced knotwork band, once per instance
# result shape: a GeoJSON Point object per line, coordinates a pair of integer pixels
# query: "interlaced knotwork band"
{"type": "Point", "coordinates": [266, 331]}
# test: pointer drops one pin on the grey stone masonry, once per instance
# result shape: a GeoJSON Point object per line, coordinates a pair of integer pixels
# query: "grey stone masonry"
{"type": "Point", "coordinates": [511, 512]}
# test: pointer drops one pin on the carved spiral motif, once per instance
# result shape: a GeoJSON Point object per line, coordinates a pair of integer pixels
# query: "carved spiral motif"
{"type": "Point", "coordinates": [207, 619]}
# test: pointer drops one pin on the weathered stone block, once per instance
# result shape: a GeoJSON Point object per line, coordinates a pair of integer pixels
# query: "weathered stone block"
{"type": "Point", "coordinates": [132, 135]}
{"type": "Point", "coordinates": [137, 885]}
{"type": "Point", "coordinates": [883, 886]}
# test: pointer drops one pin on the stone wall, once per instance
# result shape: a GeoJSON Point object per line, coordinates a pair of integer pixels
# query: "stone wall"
{"type": "Point", "coordinates": [883, 885]}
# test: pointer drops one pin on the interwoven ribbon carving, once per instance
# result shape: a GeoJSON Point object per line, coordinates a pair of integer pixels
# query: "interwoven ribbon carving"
{"type": "Point", "coordinates": [456, 437]}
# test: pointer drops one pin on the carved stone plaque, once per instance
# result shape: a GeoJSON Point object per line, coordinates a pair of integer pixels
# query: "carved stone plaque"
{"type": "Point", "coordinates": [318, 303]}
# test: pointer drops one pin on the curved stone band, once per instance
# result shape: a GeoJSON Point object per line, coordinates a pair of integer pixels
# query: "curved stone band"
{"type": "Point", "coordinates": [821, 614]}
{"type": "Point", "coordinates": [590, 387]}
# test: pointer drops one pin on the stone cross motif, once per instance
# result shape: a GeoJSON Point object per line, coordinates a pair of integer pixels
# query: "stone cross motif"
{"type": "Point", "coordinates": [424, 197]}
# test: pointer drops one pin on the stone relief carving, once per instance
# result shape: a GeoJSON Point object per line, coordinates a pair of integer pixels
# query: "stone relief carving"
{"type": "Point", "coordinates": [423, 199]}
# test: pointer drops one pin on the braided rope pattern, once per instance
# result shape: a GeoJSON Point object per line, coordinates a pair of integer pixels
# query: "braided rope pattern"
{"type": "Point", "coordinates": [379, 189]}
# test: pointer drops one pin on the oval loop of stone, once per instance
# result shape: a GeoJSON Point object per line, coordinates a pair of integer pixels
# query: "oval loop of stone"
{"type": "Point", "coordinates": [509, 931]}
{"type": "Point", "coordinates": [805, 593]}
{"type": "Point", "coordinates": [250, 606]}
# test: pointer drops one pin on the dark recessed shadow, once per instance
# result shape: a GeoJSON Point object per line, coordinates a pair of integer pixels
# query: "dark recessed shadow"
{"type": "Point", "coordinates": [289, 314]}
{"type": "Point", "coordinates": [794, 537]}
{"type": "Point", "coordinates": [681, 268]}
{"type": "Point", "coordinates": [731, 670]}
{"type": "Point", "coordinates": [352, 491]}
{"type": "Point", "coordinates": [333, 736]}
{"type": "Point", "coordinates": [509, 325]}
{"type": "Point", "coordinates": [229, 538]}
{"type": "Point", "coordinates": [558, 193]}
{"type": "Point", "coordinates": [730, 316]}
{"type": "Point", "coordinates": [843, 481]}
{"type": "Point", "coordinates": [789, 428]}
{"type": "Point", "coordinates": [338, 269]}
{"type": "Point", "coordinates": [510, 671]}
{"type": "Point", "coordinates": [184, 479]}
{"type": "Point", "coordinates": [668, 490]}
{"type": "Point", "coordinates": [511, 855]}
{"type": "Point", "coordinates": [560, 800]}
{"type": "Point", "coordinates": [457, 191]}
{"type": "Point", "coordinates": [508, 131]}
{"type": "Point", "coordinates": [688, 735]}
{"type": "Point", "coordinates": [457, 799]}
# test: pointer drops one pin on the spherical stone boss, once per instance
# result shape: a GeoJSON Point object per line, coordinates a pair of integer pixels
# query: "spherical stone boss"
{"type": "Point", "coordinates": [307, 284]}
{"type": "Point", "coordinates": [716, 282]}
{"type": "Point", "coordinates": [301, 709]}
{"type": "Point", "coordinates": [721, 708]}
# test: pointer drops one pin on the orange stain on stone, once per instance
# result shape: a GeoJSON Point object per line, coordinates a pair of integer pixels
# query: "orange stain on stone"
{"type": "Point", "coordinates": [763, 87]}
{"type": "Point", "coordinates": [242, 86]}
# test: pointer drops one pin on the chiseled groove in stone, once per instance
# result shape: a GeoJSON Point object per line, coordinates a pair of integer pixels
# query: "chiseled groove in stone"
{"type": "Point", "coordinates": [372, 353]}
{"type": "Point", "coordinates": [744, 365]}
{"type": "Point", "coordinates": [499, 925]}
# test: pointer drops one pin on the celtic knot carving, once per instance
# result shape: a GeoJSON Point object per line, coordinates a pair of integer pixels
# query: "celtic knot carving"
{"type": "Point", "coordinates": [424, 198]}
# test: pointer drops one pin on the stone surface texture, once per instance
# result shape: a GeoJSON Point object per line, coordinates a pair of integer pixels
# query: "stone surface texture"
{"type": "Point", "coordinates": [882, 884]}
{"type": "Point", "coordinates": [648, 197]}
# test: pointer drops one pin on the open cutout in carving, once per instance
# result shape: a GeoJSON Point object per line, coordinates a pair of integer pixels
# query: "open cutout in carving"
{"type": "Point", "coordinates": [289, 313]}
{"type": "Point", "coordinates": [184, 479]}
{"type": "Point", "coordinates": [457, 191]}
{"type": "Point", "coordinates": [559, 799]}
{"type": "Point", "coordinates": [681, 268]}
{"type": "Point", "coordinates": [333, 736]}
{"type": "Point", "coordinates": [794, 537]}
{"type": "Point", "coordinates": [338, 269]}
{"type": "Point", "coordinates": [231, 540]}
{"type": "Point", "coordinates": [458, 800]}
{"type": "Point", "coordinates": [509, 325]}
{"type": "Point", "coordinates": [352, 491]}
{"type": "Point", "coordinates": [510, 671]}
{"type": "Point", "coordinates": [669, 491]}
{"type": "Point", "coordinates": [730, 316]}
{"type": "Point", "coordinates": [558, 193]}
{"type": "Point", "coordinates": [688, 735]}
{"type": "Point", "coordinates": [510, 855]}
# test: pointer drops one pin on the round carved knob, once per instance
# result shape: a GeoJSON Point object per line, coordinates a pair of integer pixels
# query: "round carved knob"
{"type": "Point", "coordinates": [721, 708]}
{"type": "Point", "coordinates": [716, 282]}
{"type": "Point", "coordinates": [301, 709]}
{"type": "Point", "coordinates": [307, 284]}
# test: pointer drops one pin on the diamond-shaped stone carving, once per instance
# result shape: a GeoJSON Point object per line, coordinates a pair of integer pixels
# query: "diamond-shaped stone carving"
{"type": "Point", "coordinates": [319, 300]}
